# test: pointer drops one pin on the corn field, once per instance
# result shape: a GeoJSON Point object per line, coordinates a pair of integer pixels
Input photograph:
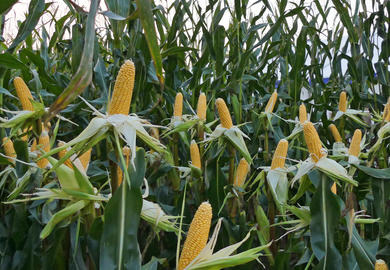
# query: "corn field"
{"type": "Point", "coordinates": [188, 135]}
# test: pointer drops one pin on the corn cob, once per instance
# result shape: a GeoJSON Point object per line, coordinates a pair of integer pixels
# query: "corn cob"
{"type": "Point", "coordinates": [85, 158]}
{"type": "Point", "coordinates": [381, 265]}
{"type": "Point", "coordinates": [224, 114]}
{"type": "Point", "coordinates": [23, 94]}
{"type": "Point", "coordinates": [123, 90]}
{"type": "Point", "coordinates": [127, 154]}
{"type": "Point", "coordinates": [334, 188]}
{"type": "Point", "coordinates": [9, 149]}
{"type": "Point", "coordinates": [195, 156]}
{"type": "Point", "coordinates": [313, 141]}
{"type": "Point", "coordinates": [62, 153]}
{"type": "Point", "coordinates": [241, 173]}
{"type": "Point", "coordinates": [197, 235]}
{"type": "Point", "coordinates": [386, 111]}
{"type": "Point", "coordinates": [33, 145]}
{"type": "Point", "coordinates": [335, 133]}
{"type": "Point", "coordinates": [271, 103]}
{"type": "Point", "coordinates": [279, 157]}
{"type": "Point", "coordinates": [302, 113]}
{"type": "Point", "coordinates": [178, 107]}
{"type": "Point", "coordinates": [343, 101]}
{"type": "Point", "coordinates": [202, 107]}
{"type": "Point", "coordinates": [44, 145]}
{"type": "Point", "coordinates": [354, 148]}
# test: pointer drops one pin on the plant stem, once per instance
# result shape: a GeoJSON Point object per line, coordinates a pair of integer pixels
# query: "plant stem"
{"type": "Point", "coordinates": [231, 164]}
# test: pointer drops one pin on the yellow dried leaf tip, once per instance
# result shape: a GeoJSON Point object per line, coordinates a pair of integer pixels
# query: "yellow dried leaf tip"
{"type": "Point", "coordinates": [241, 173]}
{"type": "Point", "coordinates": [343, 101]}
{"type": "Point", "coordinates": [354, 148]}
{"type": "Point", "coordinates": [178, 108]}
{"type": "Point", "coordinates": [280, 154]}
{"type": "Point", "coordinates": [386, 111]}
{"type": "Point", "coordinates": [313, 141]}
{"type": "Point", "coordinates": [62, 153]}
{"type": "Point", "coordinates": [197, 235]}
{"type": "Point", "coordinates": [335, 133]}
{"type": "Point", "coordinates": [126, 154]}
{"type": "Point", "coordinates": [381, 265]}
{"type": "Point", "coordinates": [9, 149]}
{"type": "Point", "coordinates": [123, 90]}
{"type": "Point", "coordinates": [85, 158]}
{"type": "Point", "coordinates": [334, 189]}
{"type": "Point", "coordinates": [43, 145]}
{"type": "Point", "coordinates": [271, 103]}
{"type": "Point", "coordinates": [224, 114]}
{"type": "Point", "coordinates": [202, 107]}
{"type": "Point", "coordinates": [302, 114]}
{"type": "Point", "coordinates": [195, 156]}
{"type": "Point", "coordinates": [23, 94]}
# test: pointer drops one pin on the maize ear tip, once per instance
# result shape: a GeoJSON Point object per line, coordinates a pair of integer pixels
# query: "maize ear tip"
{"type": "Point", "coordinates": [9, 149]}
{"type": "Point", "coordinates": [302, 113]}
{"type": "Point", "coordinates": [335, 133]}
{"type": "Point", "coordinates": [224, 114]}
{"type": "Point", "coordinates": [313, 141]}
{"type": "Point", "coordinates": [271, 103]}
{"type": "Point", "coordinates": [178, 107]}
{"type": "Point", "coordinates": [343, 101]}
{"type": "Point", "coordinates": [280, 154]}
{"type": "Point", "coordinates": [354, 148]}
{"type": "Point", "coordinates": [202, 107]}
{"type": "Point", "coordinates": [24, 94]}
{"type": "Point", "coordinates": [195, 156]}
{"type": "Point", "coordinates": [242, 172]}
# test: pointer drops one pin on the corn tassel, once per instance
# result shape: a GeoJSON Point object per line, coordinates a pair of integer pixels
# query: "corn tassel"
{"type": "Point", "coordinates": [271, 103]}
{"type": "Point", "coordinates": [354, 148]}
{"type": "Point", "coordinates": [313, 141]}
{"type": "Point", "coordinates": [334, 189]}
{"type": "Point", "coordinates": [44, 145]}
{"type": "Point", "coordinates": [335, 133]}
{"type": "Point", "coordinates": [343, 101]}
{"type": "Point", "coordinates": [224, 114]}
{"type": "Point", "coordinates": [127, 154]}
{"type": "Point", "coordinates": [197, 235]}
{"type": "Point", "coordinates": [302, 114]}
{"type": "Point", "coordinates": [62, 153]}
{"type": "Point", "coordinates": [381, 265]}
{"type": "Point", "coordinates": [241, 173]}
{"type": "Point", "coordinates": [9, 149]}
{"type": "Point", "coordinates": [202, 107]}
{"type": "Point", "coordinates": [386, 111]}
{"type": "Point", "coordinates": [123, 90]}
{"type": "Point", "coordinates": [23, 94]}
{"type": "Point", "coordinates": [85, 158]}
{"type": "Point", "coordinates": [178, 107]}
{"type": "Point", "coordinates": [279, 157]}
{"type": "Point", "coordinates": [195, 156]}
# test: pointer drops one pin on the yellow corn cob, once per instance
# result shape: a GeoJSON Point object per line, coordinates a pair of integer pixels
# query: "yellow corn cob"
{"type": "Point", "coordinates": [197, 235]}
{"type": "Point", "coordinates": [241, 173]}
{"type": "Point", "coordinates": [224, 114]}
{"type": "Point", "coordinates": [279, 157]}
{"type": "Point", "coordinates": [335, 133]}
{"type": "Point", "coordinates": [343, 102]}
{"type": "Point", "coordinates": [62, 153]}
{"type": "Point", "coordinates": [202, 107]}
{"type": "Point", "coordinates": [123, 90]}
{"type": "Point", "coordinates": [9, 149]}
{"type": "Point", "coordinates": [386, 111]}
{"type": "Point", "coordinates": [195, 156]}
{"type": "Point", "coordinates": [23, 94]}
{"type": "Point", "coordinates": [381, 265]}
{"type": "Point", "coordinates": [85, 158]}
{"type": "Point", "coordinates": [178, 107]}
{"type": "Point", "coordinates": [334, 188]}
{"type": "Point", "coordinates": [302, 113]}
{"type": "Point", "coordinates": [126, 153]}
{"type": "Point", "coordinates": [44, 145]}
{"type": "Point", "coordinates": [313, 141]}
{"type": "Point", "coordinates": [25, 137]}
{"type": "Point", "coordinates": [271, 103]}
{"type": "Point", "coordinates": [33, 145]}
{"type": "Point", "coordinates": [354, 148]}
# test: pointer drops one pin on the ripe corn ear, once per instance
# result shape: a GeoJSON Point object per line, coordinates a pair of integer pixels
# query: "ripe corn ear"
{"type": "Point", "coordinates": [62, 153]}
{"type": "Point", "coordinates": [343, 101]}
{"type": "Point", "coordinates": [44, 145]}
{"type": "Point", "coordinates": [335, 133]}
{"type": "Point", "coordinates": [354, 148]}
{"type": "Point", "coordinates": [271, 103]}
{"type": "Point", "coordinates": [386, 111]}
{"type": "Point", "coordinates": [334, 188]}
{"type": "Point", "coordinates": [197, 235]}
{"type": "Point", "coordinates": [302, 113]}
{"type": "Point", "coordinates": [195, 156]}
{"type": "Point", "coordinates": [85, 158]}
{"type": "Point", "coordinates": [178, 107]}
{"type": "Point", "coordinates": [381, 265]}
{"type": "Point", "coordinates": [33, 145]}
{"type": "Point", "coordinates": [127, 154]}
{"type": "Point", "coordinates": [241, 173]}
{"type": "Point", "coordinates": [9, 149]}
{"type": "Point", "coordinates": [202, 107]}
{"type": "Point", "coordinates": [224, 114]}
{"type": "Point", "coordinates": [313, 141]}
{"type": "Point", "coordinates": [123, 90]}
{"type": "Point", "coordinates": [279, 157]}
{"type": "Point", "coordinates": [23, 94]}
